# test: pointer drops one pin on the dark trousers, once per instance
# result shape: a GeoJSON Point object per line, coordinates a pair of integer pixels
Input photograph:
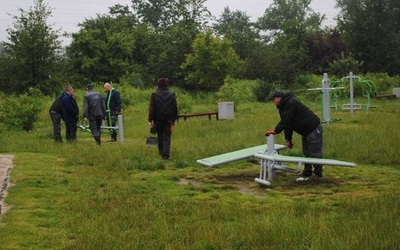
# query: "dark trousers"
{"type": "Point", "coordinates": [70, 130]}
{"type": "Point", "coordinates": [164, 130]}
{"type": "Point", "coordinates": [312, 147]}
{"type": "Point", "coordinates": [95, 127]}
{"type": "Point", "coordinates": [56, 120]}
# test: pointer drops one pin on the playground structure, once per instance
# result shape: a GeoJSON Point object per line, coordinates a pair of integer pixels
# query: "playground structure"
{"type": "Point", "coordinates": [119, 126]}
{"type": "Point", "coordinates": [326, 100]}
{"type": "Point", "coordinates": [270, 160]}
{"type": "Point", "coordinates": [368, 89]}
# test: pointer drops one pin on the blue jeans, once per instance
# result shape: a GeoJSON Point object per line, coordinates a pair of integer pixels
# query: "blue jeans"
{"type": "Point", "coordinates": [312, 147]}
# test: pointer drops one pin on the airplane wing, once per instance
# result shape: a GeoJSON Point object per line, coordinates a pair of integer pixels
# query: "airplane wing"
{"type": "Point", "coordinates": [236, 155]}
{"type": "Point", "coordinates": [305, 160]}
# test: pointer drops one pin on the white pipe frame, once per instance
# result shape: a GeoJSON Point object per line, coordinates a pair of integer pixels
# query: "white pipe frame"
{"type": "Point", "coordinates": [272, 161]}
{"type": "Point", "coordinates": [119, 127]}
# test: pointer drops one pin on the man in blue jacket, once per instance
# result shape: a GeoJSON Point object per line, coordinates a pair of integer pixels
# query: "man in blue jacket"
{"type": "Point", "coordinates": [70, 113]}
{"type": "Point", "coordinates": [295, 116]}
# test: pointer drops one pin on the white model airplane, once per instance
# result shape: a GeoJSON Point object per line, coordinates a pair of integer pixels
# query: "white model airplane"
{"type": "Point", "coordinates": [271, 160]}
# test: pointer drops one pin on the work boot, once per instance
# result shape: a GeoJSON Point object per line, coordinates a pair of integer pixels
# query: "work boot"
{"type": "Point", "coordinates": [97, 139]}
{"type": "Point", "coordinates": [113, 138]}
{"type": "Point", "coordinates": [318, 171]}
{"type": "Point", "coordinates": [307, 171]}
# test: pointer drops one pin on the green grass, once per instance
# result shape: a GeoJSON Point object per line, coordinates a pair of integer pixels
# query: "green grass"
{"type": "Point", "coordinates": [80, 196]}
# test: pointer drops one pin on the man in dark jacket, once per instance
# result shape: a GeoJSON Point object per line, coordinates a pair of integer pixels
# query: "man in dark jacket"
{"type": "Point", "coordinates": [70, 113]}
{"type": "Point", "coordinates": [295, 116]}
{"type": "Point", "coordinates": [94, 111]}
{"type": "Point", "coordinates": [56, 117]}
{"type": "Point", "coordinates": [163, 112]}
{"type": "Point", "coordinates": [113, 108]}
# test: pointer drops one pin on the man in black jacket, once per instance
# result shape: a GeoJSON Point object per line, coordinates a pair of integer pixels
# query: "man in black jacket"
{"type": "Point", "coordinates": [163, 112]}
{"type": "Point", "coordinates": [295, 116]}
{"type": "Point", "coordinates": [56, 117]}
{"type": "Point", "coordinates": [113, 108]}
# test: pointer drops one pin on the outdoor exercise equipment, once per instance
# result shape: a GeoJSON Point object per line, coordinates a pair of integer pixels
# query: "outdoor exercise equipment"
{"type": "Point", "coordinates": [336, 94]}
{"type": "Point", "coordinates": [271, 160]}
{"type": "Point", "coordinates": [326, 99]}
{"type": "Point", "coordinates": [368, 88]}
{"type": "Point", "coordinates": [118, 127]}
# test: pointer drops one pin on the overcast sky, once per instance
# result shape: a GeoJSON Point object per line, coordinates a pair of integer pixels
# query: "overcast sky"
{"type": "Point", "coordinates": [68, 13]}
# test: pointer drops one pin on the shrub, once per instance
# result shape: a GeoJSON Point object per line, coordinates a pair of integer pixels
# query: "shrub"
{"type": "Point", "coordinates": [184, 100]}
{"type": "Point", "coordinates": [133, 96]}
{"type": "Point", "coordinates": [20, 112]}
{"type": "Point", "coordinates": [262, 90]}
{"type": "Point", "coordinates": [345, 64]}
{"type": "Point", "coordinates": [237, 91]}
{"type": "Point", "coordinates": [133, 80]}
{"type": "Point", "coordinates": [305, 82]}
{"type": "Point", "coordinates": [383, 81]}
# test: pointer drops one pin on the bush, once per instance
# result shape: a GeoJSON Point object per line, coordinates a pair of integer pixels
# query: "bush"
{"type": "Point", "coordinates": [305, 82]}
{"type": "Point", "coordinates": [263, 90]}
{"type": "Point", "coordinates": [237, 91]}
{"type": "Point", "coordinates": [383, 81]}
{"type": "Point", "coordinates": [20, 112]}
{"type": "Point", "coordinates": [133, 80]}
{"type": "Point", "coordinates": [184, 100]}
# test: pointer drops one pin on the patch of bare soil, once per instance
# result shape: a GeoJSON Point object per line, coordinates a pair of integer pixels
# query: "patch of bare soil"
{"type": "Point", "coordinates": [5, 169]}
{"type": "Point", "coordinates": [243, 183]}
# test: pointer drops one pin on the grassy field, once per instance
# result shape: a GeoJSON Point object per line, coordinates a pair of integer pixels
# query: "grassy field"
{"type": "Point", "coordinates": [123, 196]}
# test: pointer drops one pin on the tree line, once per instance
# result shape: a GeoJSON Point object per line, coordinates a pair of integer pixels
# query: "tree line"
{"type": "Point", "coordinates": [181, 40]}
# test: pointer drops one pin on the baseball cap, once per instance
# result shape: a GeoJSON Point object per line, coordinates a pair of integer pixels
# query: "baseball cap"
{"type": "Point", "coordinates": [276, 93]}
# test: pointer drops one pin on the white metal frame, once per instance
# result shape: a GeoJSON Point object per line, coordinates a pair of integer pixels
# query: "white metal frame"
{"type": "Point", "coordinates": [119, 126]}
{"type": "Point", "coordinates": [272, 161]}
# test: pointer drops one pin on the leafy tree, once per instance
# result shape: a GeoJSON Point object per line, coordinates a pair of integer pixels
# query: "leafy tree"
{"type": "Point", "coordinates": [166, 52]}
{"type": "Point", "coordinates": [32, 52]}
{"type": "Point", "coordinates": [273, 64]}
{"type": "Point", "coordinates": [137, 46]}
{"type": "Point", "coordinates": [287, 24]}
{"type": "Point", "coordinates": [175, 25]}
{"type": "Point", "coordinates": [103, 49]}
{"type": "Point", "coordinates": [165, 13]}
{"type": "Point", "coordinates": [324, 48]}
{"type": "Point", "coordinates": [345, 64]}
{"type": "Point", "coordinates": [211, 61]}
{"type": "Point", "coordinates": [371, 29]}
{"type": "Point", "coordinates": [236, 26]}
{"type": "Point", "coordinates": [290, 18]}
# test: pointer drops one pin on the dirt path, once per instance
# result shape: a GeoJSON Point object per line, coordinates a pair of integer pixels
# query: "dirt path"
{"type": "Point", "coordinates": [5, 169]}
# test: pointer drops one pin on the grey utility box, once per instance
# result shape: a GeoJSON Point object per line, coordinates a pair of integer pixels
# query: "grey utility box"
{"type": "Point", "coordinates": [225, 111]}
{"type": "Point", "coordinates": [396, 91]}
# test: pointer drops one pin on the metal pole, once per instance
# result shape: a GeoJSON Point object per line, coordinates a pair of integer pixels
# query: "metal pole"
{"type": "Point", "coordinates": [120, 130]}
{"type": "Point", "coordinates": [271, 150]}
{"type": "Point", "coordinates": [326, 107]}
{"type": "Point", "coordinates": [270, 144]}
{"type": "Point", "coordinates": [351, 94]}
